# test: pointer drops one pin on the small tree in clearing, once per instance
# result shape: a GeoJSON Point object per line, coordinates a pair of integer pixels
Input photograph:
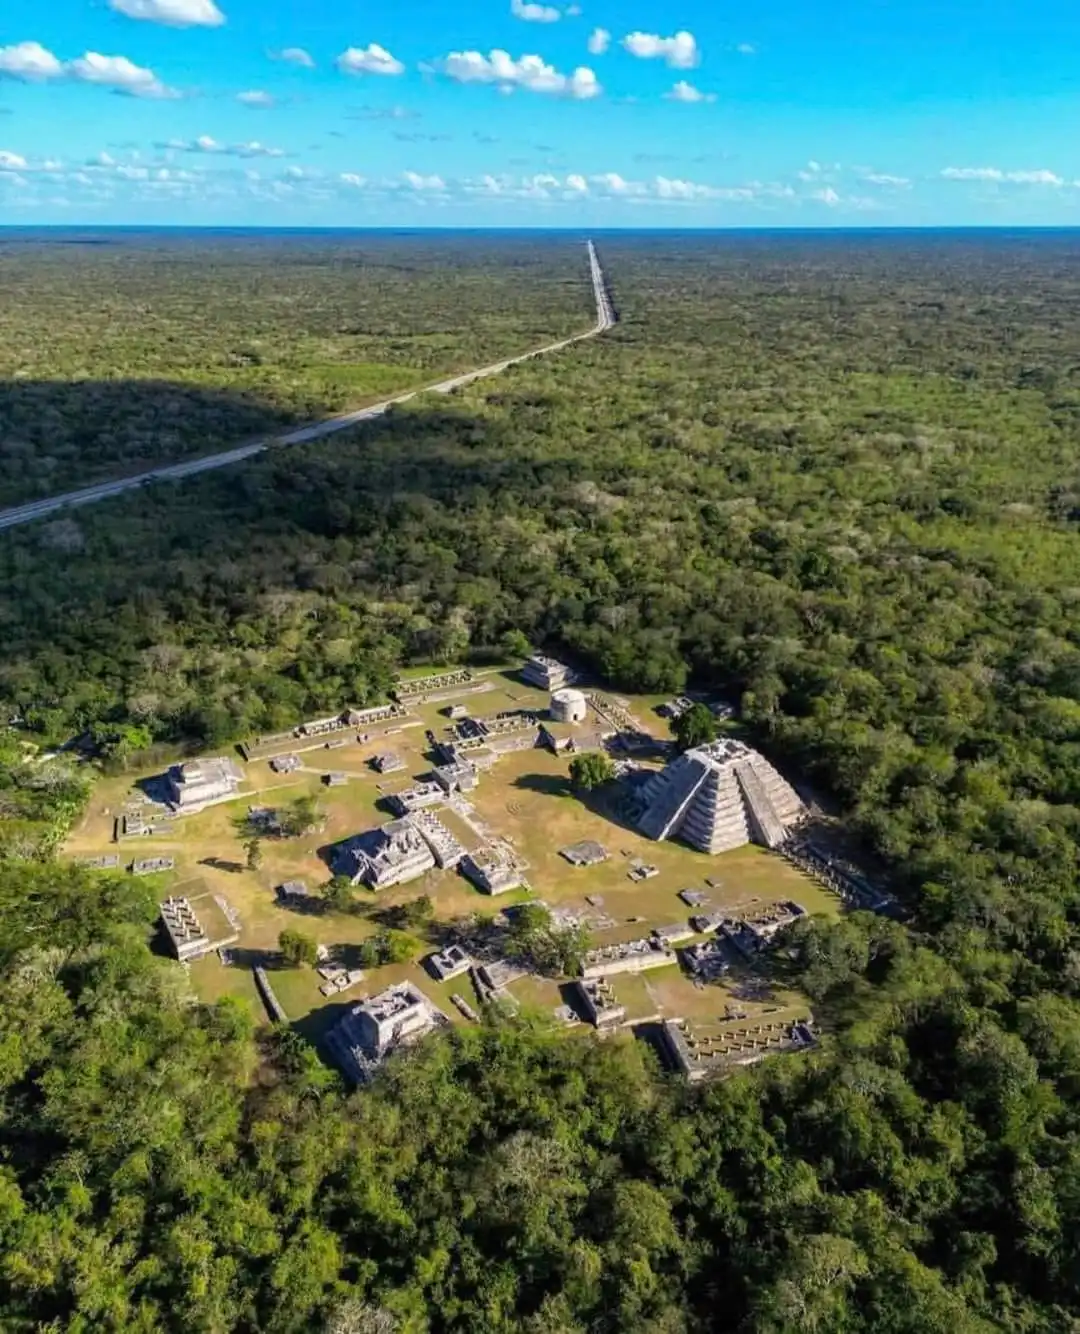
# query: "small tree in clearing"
{"type": "Point", "coordinates": [591, 770]}
{"type": "Point", "coordinates": [298, 950]}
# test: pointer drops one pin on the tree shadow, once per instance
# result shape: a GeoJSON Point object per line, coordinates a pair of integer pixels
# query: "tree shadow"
{"type": "Point", "coordinates": [221, 864]}
{"type": "Point", "coordinates": [546, 785]}
{"type": "Point", "coordinates": [242, 956]}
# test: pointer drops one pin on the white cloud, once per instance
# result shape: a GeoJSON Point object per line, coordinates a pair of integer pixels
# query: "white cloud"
{"type": "Point", "coordinates": [746, 49]}
{"type": "Point", "coordinates": [530, 72]}
{"type": "Point", "coordinates": [669, 189]}
{"type": "Point", "coordinates": [612, 183]}
{"type": "Point", "coordinates": [533, 13]}
{"type": "Point", "coordinates": [173, 13]}
{"type": "Point", "coordinates": [884, 179]}
{"type": "Point", "coordinates": [205, 144]}
{"type": "Point", "coordinates": [256, 98]}
{"type": "Point", "coordinates": [372, 59]}
{"type": "Point", "coordinates": [351, 178]}
{"type": "Point", "coordinates": [29, 61]}
{"type": "Point", "coordinates": [599, 42]}
{"type": "Point", "coordinates": [295, 173]}
{"type": "Point", "coordinates": [11, 161]}
{"type": "Point", "coordinates": [577, 184]}
{"type": "Point", "coordinates": [295, 55]}
{"type": "Point", "coordinates": [678, 52]}
{"type": "Point", "coordinates": [686, 92]}
{"type": "Point", "coordinates": [120, 74]}
{"type": "Point", "coordinates": [254, 149]}
{"type": "Point", "coordinates": [415, 181]}
{"type": "Point", "coordinates": [828, 197]}
{"type": "Point", "coordinates": [995, 174]}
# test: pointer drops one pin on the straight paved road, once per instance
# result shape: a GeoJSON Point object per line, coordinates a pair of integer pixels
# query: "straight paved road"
{"type": "Point", "coordinates": [88, 495]}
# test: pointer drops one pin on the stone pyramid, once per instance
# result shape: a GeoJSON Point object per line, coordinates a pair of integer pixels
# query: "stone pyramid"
{"type": "Point", "coordinates": [719, 797]}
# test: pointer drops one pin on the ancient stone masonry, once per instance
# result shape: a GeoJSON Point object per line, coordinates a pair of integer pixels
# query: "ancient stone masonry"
{"type": "Point", "coordinates": [109, 862]}
{"type": "Point", "coordinates": [707, 960]}
{"type": "Point", "coordinates": [451, 962]}
{"type": "Point", "coordinates": [569, 706]}
{"type": "Point", "coordinates": [391, 855]}
{"type": "Point", "coordinates": [634, 956]}
{"type": "Point", "coordinates": [598, 1001]}
{"type": "Point", "coordinates": [417, 798]}
{"type": "Point", "coordinates": [351, 718]}
{"type": "Point", "coordinates": [494, 870]}
{"type": "Point", "coordinates": [306, 735]}
{"type": "Point", "coordinates": [752, 932]}
{"type": "Point", "coordinates": [546, 673]}
{"type": "Point", "coordinates": [420, 686]}
{"type": "Point", "coordinates": [201, 783]}
{"type": "Point", "coordinates": [152, 865]}
{"type": "Point", "coordinates": [373, 1030]}
{"type": "Point", "coordinates": [719, 797]}
{"type": "Point", "coordinates": [460, 777]}
{"type": "Point", "coordinates": [698, 1054]}
{"type": "Point", "coordinates": [185, 932]}
{"type": "Point", "coordinates": [388, 763]}
{"type": "Point", "coordinates": [444, 844]}
{"type": "Point", "coordinates": [840, 876]}
{"type": "Point", "coordinates": [586, 853]}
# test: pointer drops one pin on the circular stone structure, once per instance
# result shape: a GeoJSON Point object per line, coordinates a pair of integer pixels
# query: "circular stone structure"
{"type": "Point", "coordinates": [569, 706]}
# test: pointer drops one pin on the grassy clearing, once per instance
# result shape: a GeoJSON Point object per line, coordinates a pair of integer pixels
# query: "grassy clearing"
{"type": "Point", "coordinates": [524, 799]}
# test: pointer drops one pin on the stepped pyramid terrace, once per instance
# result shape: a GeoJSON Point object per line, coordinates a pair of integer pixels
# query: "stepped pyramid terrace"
{"type": "Point", "coordinates": [719, 797]}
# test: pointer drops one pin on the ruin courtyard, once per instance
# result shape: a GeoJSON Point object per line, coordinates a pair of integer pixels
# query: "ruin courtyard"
{"type": "Point", "coordinates": [504, 799]}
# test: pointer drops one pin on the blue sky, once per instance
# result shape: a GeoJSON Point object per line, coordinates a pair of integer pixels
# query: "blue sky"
{"type": "Point", "coordinates": [604, 113]}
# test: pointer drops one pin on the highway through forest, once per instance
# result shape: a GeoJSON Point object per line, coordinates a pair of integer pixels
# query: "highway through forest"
{"type": "Point", "coordinates": [88, 495]}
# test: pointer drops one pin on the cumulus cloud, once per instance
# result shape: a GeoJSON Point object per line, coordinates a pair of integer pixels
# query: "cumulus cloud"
{"type": "Point", "coordinates": [530, 72]}
{"type": "Point", "coordinates": [995, 174]}
{"type": "Point", "coordinates": [686, 92]}
{"type": "Point", "coordinates": [255, 97]}
{"type": "Point", "coordinates": [599, 42]}
{"type": "Point", "coordinates": [32, 63]}
{"type": "Point", "coordinates": [828, 197]}
{"type": "Point", "coordinates": [119, 74]}
{"type": "Point", "coordinates": [371, 59]}
{"type": "Point", "coordinates": [746, 49]}
{"type": "Point", "coordinates": [294, 55]}
{"type": "Point", "coordinates": [11, 161]}
{"type": "Point", "coordinates": [351, 178]}
{"type": "Point", "coordinates": [29, 61]}
{"type": "Point", "coordinates": [678, 52]}
{"type": "Point", "coordinates": [429, 184]}
{"type": "Point", "coordinates": [674, 189]}
{"type": "Point", "coordinates": [533, 13]}
{"type": "Point", "coordinates": [172, 13]}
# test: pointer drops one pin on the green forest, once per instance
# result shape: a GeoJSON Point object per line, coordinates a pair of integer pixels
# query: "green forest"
{"type": "Point", "coordinates": [126, 354]}
{"type": "Point", "coordinates": [835, 479]}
